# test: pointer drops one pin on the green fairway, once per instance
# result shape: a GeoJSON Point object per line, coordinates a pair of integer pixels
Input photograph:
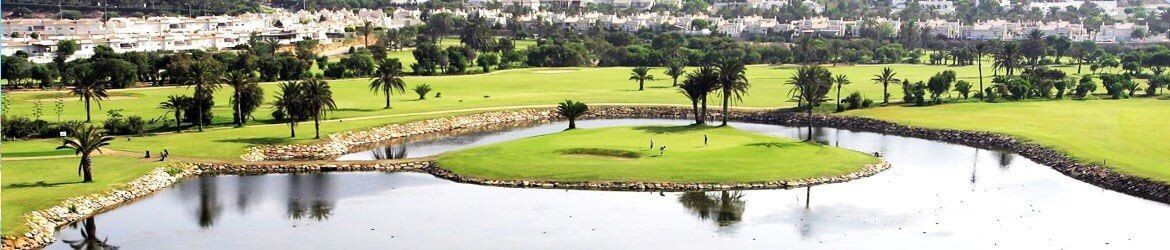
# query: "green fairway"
{"type": "Point", "coordinates": [30, 185]}
{"type": "Point", "coordinates": [624, 154]}
{"type": "Point", "coordinates": [32, 148]}
{"type": "Point", "coordinates": [537, 86]}
{"type": "Point", "coordinates": [1130, 135]}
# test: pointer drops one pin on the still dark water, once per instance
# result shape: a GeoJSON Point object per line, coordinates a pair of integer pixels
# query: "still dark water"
{"type": "Point", "coordinates": [936, 196]}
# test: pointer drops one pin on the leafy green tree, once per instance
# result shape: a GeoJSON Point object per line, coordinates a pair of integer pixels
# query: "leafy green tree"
{"type": "Point", "coordinates": [1085, 86]}
{"type": "Point", "coordinates": [885, 79]}
{"type": "Point", "coordinates": [1008, 57]}
{"type": "Point", "coordinates": [572, 110]}
{"type": "Point", "coordinates": [65, 49]}
{"type": "Point", "coordinates": [938, 84]}
{"type": "Point", "coordinates": [486, 61]}
{"type": "Point", "coordinates": [388, 78]}
{"type": "Point", "coordinates": [810, 85]}
{"type": "Point", "coordinates": [84, 140]}
{"type": "Point", "coordinates": [964, 88]}
{"type": "Point", "coordinates": [205, 77]}
{"type": "Point", "coordinates": [641, 74]}
{"type": "Point", "coordinates": [318, 98]}
{"type": "Point", "coordinates": [245, 94]}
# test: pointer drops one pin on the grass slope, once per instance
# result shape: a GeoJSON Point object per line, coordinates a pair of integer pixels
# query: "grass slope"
{"type": "Point", "coordinates": [30, 185]}
{"type": "Point", "coordinates": [1131, 135]}
{"type": "Point", "coordinates": [623, 154]}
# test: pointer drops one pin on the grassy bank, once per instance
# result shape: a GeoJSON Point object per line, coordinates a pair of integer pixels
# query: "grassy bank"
{"type": "Point", "coordinates": [624, 154]}
{"type": "Point", "coordinates": [1127, 135]}
{"type": "Point", "coordinates": [30, 185]}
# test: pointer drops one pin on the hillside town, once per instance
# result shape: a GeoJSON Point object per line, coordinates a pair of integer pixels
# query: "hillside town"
{"type": "Point", "coordinates": [38, 37]}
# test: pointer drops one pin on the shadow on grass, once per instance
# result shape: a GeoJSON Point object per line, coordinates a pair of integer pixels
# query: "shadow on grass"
{"type": "Point", "coordinates": [672, 129]}
{"type": "Point", "coordinates": [39, 184]}
{"type": "Point", "coordinates": [358, 110]}
{"type": "Point", "coordinates": [260, 141]}
{"type": "Point", "coordinates": [772, 144]}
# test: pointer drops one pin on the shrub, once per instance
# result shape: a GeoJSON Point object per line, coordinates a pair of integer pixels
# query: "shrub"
{"type": "Point", "coordinates": [23, 127]}
{"type": "Point", "coordinates": [866, 103]}
{"type": "Point", "coordinates": [131, 125]}
{"type": "Point", "coordinates": [854, 100]}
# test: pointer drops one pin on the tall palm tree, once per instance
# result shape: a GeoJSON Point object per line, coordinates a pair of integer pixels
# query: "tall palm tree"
{"type": "Point", "coordinates": [885, 79]}
{"type": "Point", "coordinates": [289, 102]}
{"type": "Point", "coordinates": [1008, 57]}
{"type": "Point", "coordinates": [810, 84]}
{"type": "Point", "coordinates": [205, 78]}
{"type": "Point", "coordinates": [388, 78]}
{"type": "Point", "coordinates": [176, 103]}
{"type": "Point", "coordinates": [696, 86]}
{"type": "Point", "coordinates": [641, 74]}
{"type": "Point", "coordinates": [239, 80]}
{"type": "Point", "coordinates": [318, 99]}
{"type": "Point", "coordinates": [840, 80]}
{"type": "Point", "coordinates": [674, 71]}
{"type": "Point", "coordinates": [733, 83]}
{"type": "Point", "coordinates": [572, 110]}
{"type": "Point", "coordinates": [84, 140]}
{"type": "Point", "coordinates": [88, 87]}
{"type": "Point", "coordinates": [980, 50]}
{"type": "Point", "coordinates": [366, 29]}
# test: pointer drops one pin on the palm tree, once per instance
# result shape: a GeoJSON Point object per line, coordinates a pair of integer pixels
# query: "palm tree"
{"type": "Point", "coordinates": [696, 87]}
{"type": "Point", "coordinates": [365, 30]}
{"type": "Point", "coordinates": [810, 84]}
{"type": "Point", "coordinates": [1008, 57]}
{"type": "Point", "coordinates": [980, 50]}
{"type": "Point", "coordinates": [641, 74]}
{"type": "Point", "coordinates": [572, 110]}
{"type": "Point", "coordinates": [674, 71]}
{"type": "Point", "coordinates": [840, 80]}
{"type": "Point", "coordinates": [422, 90]}
{"type": "Point", "coordinates": [388, 78]}
{"type": "Point", "coordinates": [176, 103]}
{"type": "Point", "coordinates": [885, 79]}
{"type": "Point", "coordinates": [205, 78]}
{"type": "Point", "coordinates": [239, 80]}
{"type": "Point", "coordinates": [733, 82]}
{"type": "Point", "coordinates": [288, 102]}
{"type": "Point", "coordinates": [318, 98]}
{"type": "Point", "coordinates": [89, 88]}
{"type": "Point", "coordinates": [84, 140]}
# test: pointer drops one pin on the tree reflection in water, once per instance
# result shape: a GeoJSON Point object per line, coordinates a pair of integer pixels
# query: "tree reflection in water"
{"type": "Point", "coordinates": [89, 237]}
{"type": "Point", "coordinates": [313, 199]}
{"type": "Point", "coordinates": [390, 152]}
{"type": "Point", "coordinates": [209, 206]}
{"type": "Point", "coordinates": [724, 207]}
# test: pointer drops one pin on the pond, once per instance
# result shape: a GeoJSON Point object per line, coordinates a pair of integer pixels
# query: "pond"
{"type": "Point", "coordinates": [936, 195]}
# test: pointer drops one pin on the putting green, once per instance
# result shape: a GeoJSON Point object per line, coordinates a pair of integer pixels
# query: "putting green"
{"type": "Point", "coordinates": [624, 154]}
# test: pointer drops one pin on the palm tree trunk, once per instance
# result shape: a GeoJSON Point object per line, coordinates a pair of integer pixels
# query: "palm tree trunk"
{"type": "Point", "coordinates": [87, 117]}
{"type": "Point", "coordinates": [239, 111]}
{"type": "Point", "coordinates": [317, 126]}
{"type": "Point", "coordinates": [838, 96]}
{"type": "Point", "coordinates": [292, 127]}
{"type": "Point", "coordinates": [641, 85]}
{"type": "Point", "coordinates": [980, 76]}
{"type": "Point", "coordinates": [572, 123]}
{"type": "Point", "coordinates": [200, 118]}
{"type": "Point", "coordinates": [885, 92]}
{"type": "Point", "coordinates": [810, 121]}
{"type": "Point", "coordinates": [726, 98]}
{"type": "Point", "coordinates": [703, 117]}
{"type": "Point", "coordinates": [87, 174]}
{"type": "Point", "coordinates": [387, 92]}
{"type": "Point", "coordinates": [695, 109]}
{"type": "Point", "coordinates": [178, 120]}
{"type": "Point", "coordinates": [675, 84]}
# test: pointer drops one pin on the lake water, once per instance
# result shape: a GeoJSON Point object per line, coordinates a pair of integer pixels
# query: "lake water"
{"type": "Point", "coordinates": [936, 196]}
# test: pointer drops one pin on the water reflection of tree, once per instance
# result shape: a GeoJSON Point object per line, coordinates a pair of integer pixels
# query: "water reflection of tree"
{"type": "Point", "coordinates": [724, 207]}
{"type": "Point", "coordinates": [246, 191]}
{"type": "Point", "coordinates": [313, 198]}
{"type": "Point", "coordinates": [1005, 159]}
{"type": "Point", "coordinates": [390, 152]}
{"type": "Point", "coordinates": [209, 207]}
{"type": "Point", "coordinates": [89, 237]}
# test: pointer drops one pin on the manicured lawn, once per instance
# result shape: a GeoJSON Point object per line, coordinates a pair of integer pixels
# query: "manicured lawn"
{"type": "Point", "coordinates": [623, 154]}
{"type": "Point", "coordinates": [30, 185]}
{"type": "Point", "coordinates": [538, 86]}
{"type": "Point", "coordinates": [1130, 135]}
{"type": "Point", "coordinates": [32, 148]}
